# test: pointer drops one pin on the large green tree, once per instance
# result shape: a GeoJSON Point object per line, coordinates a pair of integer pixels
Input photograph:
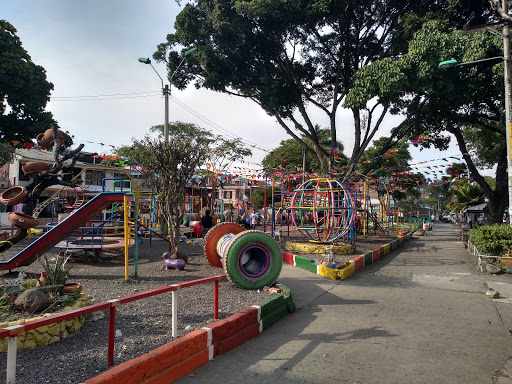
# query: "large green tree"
{"type": "Point", "coordinates": [24, 90]}
{"type": "Point", "coordinates": [297, 58]}
{"type": "Point", "coordinates": [466, 101]}
{"type": "Point", "coordinates": [290, 155]}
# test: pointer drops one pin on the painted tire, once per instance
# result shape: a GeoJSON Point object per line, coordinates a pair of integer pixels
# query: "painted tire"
{"type": "Point", "coordinates": [213, 236]}
{"type": "Point", "coordinates": [252, 260]}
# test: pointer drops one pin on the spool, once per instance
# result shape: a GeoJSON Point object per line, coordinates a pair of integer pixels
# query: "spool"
{"type": "Point", "coordinates": [250, 259]}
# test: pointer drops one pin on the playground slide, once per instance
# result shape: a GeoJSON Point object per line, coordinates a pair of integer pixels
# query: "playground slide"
{"type": "Point", "coordinates": [376, 223]}
{"type": "Point", "coordinates": [74, 221]}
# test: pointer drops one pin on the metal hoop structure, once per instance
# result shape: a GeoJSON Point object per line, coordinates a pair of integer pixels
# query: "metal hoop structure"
{"type": "Point", "coordinates": [331, 206]}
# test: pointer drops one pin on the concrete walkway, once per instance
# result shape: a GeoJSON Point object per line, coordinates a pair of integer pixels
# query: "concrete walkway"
{"type": "Point", "coordinates": [419, 315]}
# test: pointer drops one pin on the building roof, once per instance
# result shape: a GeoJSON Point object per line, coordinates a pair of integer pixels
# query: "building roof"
{"type": "Point", "coordinates": [480, 208]}
{"type": "Point", "coordinates": [44, 156]}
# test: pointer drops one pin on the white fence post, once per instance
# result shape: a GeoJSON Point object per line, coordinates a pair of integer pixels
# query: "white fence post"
{"type": "Point", "coordinates": [174, 313]}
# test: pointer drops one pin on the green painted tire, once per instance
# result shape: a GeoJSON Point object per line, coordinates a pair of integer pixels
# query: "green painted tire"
{"type": "Point", "coordinates": [252, 260]}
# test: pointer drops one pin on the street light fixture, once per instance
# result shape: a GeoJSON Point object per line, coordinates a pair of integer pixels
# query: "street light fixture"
{"type": "Point", "coordinates": [508, 94]}
{"type": "Point", "coordinates": [166, 91]}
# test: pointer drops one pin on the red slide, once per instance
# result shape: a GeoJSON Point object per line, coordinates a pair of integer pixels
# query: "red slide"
{"type": "Point", "coordinates": [74, 221]}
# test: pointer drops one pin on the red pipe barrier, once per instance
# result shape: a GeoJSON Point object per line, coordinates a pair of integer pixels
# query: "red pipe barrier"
{"type": "Point", "coordinates": [216, 300]}
{"type": "Point", "coordinates": [111, 305]}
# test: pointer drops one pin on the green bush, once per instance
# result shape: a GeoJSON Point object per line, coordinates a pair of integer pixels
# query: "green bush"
{"type": "Point", "coordinates": [493, 240]}
{"type": "Point", "coordinates": [29, 283]}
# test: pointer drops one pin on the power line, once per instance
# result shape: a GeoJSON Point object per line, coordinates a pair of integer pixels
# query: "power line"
{"type": "Point", "coordinates": [106, 95]}
{"type": "Point", "coordinates": [106, 98]}
{"type": "Point", "coordinates": [134, 95]}
{"type": "Point", "coordinates": [218, 127]}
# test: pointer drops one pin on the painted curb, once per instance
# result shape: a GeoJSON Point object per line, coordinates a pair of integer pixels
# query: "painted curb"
{"type": "Point", "coordinates": [178, 358]}
{"type": "Point", "coordinates": [355, 264]}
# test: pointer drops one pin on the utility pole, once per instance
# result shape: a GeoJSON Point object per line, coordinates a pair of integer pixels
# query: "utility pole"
{"type": "Point", "coordinates": [303, 164]}
{"type": "Point", "coordinates": [166, 90]}
{"type": "Point", "coordinates": [508, 94]}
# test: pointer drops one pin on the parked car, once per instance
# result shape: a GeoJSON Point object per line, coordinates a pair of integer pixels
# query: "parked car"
{"type": "Point", "coordinates": [445, 218]}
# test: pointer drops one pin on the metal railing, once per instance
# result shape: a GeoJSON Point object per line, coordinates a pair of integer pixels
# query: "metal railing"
{"type": "Point", "coordinates": [480, 257]}
{"type": "Point", "coordinates": [13, 331]}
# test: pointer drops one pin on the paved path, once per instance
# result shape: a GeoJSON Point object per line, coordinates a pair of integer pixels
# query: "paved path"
{"type": "Point", "coordinates": [419, 315]}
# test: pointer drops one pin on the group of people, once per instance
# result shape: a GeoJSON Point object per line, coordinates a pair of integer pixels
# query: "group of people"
{"type": "Point", "coordinates": [208, 221]}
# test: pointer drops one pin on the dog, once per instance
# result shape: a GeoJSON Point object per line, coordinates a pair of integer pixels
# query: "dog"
{"type": "Point", "coordinates": [278, 236]}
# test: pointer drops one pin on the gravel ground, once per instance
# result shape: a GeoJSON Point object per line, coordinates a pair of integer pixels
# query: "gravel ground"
{"type": "Point", "coordinates": [145, 324]}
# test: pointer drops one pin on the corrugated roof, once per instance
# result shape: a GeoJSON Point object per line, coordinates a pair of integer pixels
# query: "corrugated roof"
{"type": "Point", "coordinates": [44, 156]}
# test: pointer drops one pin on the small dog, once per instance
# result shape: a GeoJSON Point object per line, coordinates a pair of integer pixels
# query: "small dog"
{"type": "Point", "coordinates": [278, 236]}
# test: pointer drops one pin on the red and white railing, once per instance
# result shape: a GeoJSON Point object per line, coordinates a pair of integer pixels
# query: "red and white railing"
{"type": "Point", "coordinates": [13, 331]}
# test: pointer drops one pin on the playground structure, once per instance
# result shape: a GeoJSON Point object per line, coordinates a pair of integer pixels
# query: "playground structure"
{"type": "Point", "coordinates": [78, 229]}
{"type": "Point", "coordinates": [250, 259]}
{"type": "Point", "coordinates": [324, 210]}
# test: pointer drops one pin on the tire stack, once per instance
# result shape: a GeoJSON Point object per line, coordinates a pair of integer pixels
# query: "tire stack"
{"type": "Point", "coordinates": [250, 259]}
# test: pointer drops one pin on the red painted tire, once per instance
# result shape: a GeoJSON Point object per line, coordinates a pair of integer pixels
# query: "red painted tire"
{"type": "Point", "coordinates": [213, 236]}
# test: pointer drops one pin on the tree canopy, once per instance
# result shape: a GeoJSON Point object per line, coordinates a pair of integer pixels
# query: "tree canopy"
{"type": "Point", "coordinates": [466, 101]}
{"type": "Point", "coordinates": [290, 155]}
{"type": "Point", "coordinates": [24, 90]}
{"type": "Point", "coordinates": [297, 57]}
{"type": "Point", "coordinates": [168, 168]}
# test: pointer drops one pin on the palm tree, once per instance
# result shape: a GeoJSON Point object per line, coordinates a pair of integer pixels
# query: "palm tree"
{"type": "Point", "coordinates": [465, 196]}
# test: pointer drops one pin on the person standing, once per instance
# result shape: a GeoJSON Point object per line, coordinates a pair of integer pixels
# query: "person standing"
{"type": "Point", "coordinates": [207, 222]}
{"type": "Point", "coordinates": [254, 219]}
{"type": "Point", "coordinates": [227, 215]}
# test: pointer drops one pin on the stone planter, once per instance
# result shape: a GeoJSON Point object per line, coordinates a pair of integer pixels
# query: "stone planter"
{"type": "Point", "coordinates": [32, 168]}
{"type": "Point", "coordinates": [491, 268]}
{"type": "Point", "coordinates": [22, 220]}
{"type": "Point", "coordinates": [14, 195]}
{"type": "Point", "coordinates": [50, 333]}
{"type": "Point", "coordinates": [45, 140]}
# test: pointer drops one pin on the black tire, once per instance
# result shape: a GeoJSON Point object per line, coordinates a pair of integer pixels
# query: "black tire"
{"type": "Point", "coordinates": [252, 260]}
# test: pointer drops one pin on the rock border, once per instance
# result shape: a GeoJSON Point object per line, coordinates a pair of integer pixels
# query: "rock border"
{"type": "Point", "coordinates": [47, 334]}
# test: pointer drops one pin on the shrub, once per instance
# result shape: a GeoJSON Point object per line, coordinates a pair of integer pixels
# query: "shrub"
{"type": "Point", "coordinates": [494, 240]}
{"type": "Point", "coordinates": [29, 283]}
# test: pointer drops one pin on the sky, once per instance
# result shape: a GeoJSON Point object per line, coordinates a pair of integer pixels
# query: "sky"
{"type": "Point", "coordinates": [104, 96]}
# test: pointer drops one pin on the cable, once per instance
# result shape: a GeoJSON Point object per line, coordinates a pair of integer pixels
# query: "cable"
{"type": "Point", "coordinates": [105, 98]}
{"type": "Point", "coordinates": [106, 95]}
{"type": "Point", "coordinates": [218, 127]}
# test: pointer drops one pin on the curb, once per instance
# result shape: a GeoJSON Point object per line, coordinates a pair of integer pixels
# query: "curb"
{"type": "Point", "coordinates": [355, 264]}
{"type": "Point", "coordinates": [178, 358]}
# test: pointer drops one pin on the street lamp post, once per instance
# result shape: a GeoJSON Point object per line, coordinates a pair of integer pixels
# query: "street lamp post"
{"type": "Point", "coordinates": [508, 95]}
{"type": "Point", "coordinates": [166, 90]}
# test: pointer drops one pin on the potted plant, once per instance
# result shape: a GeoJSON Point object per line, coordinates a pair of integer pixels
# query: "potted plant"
{"type": "Point", "coordinates": [56, 270]}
